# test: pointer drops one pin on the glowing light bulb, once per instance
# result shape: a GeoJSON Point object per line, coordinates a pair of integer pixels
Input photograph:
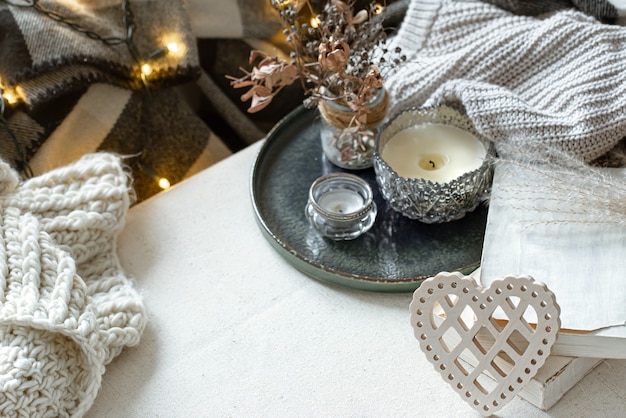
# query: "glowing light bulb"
{"type": "Point", "coordinates": [377, 8]}
{"type": "Point", "coordinates": [164, 183]}
{"type": "Point", "coordinates": [146, 69]}
{"type": "Point", "coordinates": [173, 45]}
{"type": "Point", "coordinates": [283, 4]}
{"type": "Point", "coordinates": [10, 97]}
{"type": "Point", "coordinates": [315, 22]}
{"type": "Point", "coordinates": [173, 48]}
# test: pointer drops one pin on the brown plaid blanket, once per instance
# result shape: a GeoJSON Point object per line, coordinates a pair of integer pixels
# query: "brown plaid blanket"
{"type": "Point", "coordinates": [79, 88]}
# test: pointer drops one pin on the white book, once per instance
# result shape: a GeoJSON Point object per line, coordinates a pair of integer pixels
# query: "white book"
{"type": "Point", "coordinates": [557, 376]}
{"type": "Point", "coordinates": [558, 228]}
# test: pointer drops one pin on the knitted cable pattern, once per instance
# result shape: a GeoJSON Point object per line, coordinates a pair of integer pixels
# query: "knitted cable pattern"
{"type": "Point", "coordinates": [558, 78]}
{"type": "Point", "coordinates": [66, 306]}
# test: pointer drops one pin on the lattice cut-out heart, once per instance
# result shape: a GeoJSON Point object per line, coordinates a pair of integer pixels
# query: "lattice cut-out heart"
{"type": "Point", "coordinates": [467, 332]}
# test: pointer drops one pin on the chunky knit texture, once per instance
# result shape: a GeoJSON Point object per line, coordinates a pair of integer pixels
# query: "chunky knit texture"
{"type": "Point", "coordinates": [559, 77]}
{"type": "Point", "coordinates": [66, 306]}
{"type": "Point", "coordinates": [602, 9]}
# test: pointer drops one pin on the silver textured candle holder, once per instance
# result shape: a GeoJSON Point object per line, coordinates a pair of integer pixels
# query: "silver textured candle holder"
{"type": "Point", "coordinates": [426, 200]}
{"type": "Point", "coordinates": [341, 206]}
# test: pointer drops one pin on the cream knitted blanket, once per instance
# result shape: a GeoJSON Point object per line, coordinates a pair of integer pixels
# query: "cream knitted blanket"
{"type": "Point", "coordinates": [66, 306]}
{"type": "Point", "coordinates": [558, 77]}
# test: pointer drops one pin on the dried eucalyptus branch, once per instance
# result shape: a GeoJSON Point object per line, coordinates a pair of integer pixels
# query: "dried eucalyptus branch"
{"type": "Point", "coordinates": [343, 57]}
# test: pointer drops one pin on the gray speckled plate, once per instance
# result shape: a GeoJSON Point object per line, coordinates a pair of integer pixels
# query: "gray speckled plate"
{"type": "Point", "coordinates": [396, 255]}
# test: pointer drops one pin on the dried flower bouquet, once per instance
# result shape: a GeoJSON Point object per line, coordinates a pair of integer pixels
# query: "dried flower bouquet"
{"type": "Point", "coordinates": [341, 57]}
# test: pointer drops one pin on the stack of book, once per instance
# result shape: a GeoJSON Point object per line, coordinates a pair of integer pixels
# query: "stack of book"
{"type": "Point", "coordinates": [559, 230]}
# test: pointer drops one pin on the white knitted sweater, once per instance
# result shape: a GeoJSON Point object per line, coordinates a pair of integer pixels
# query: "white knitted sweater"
{"type": "Point", "coordinates": [66, 306]}
{"type": "Point", "coordinates": [558, 78]}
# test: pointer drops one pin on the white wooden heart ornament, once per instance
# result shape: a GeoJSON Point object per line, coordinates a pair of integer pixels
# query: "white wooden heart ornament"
{"type": "Point", "coordinates": [455, 319]}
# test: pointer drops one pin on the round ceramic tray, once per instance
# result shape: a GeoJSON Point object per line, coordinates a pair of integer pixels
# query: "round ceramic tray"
{"type": "Point", "coordinates": [396, 255]}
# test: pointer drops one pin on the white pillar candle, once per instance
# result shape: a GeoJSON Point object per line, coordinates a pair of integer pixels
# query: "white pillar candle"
{"type": "Point", "coordinates": [341, 201]}
{"type": "Point", "coordinates": [436, 152]}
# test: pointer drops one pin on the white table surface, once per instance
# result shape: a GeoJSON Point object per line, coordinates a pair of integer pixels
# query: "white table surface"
{"type": "Point", "coordinates": [235, 330]}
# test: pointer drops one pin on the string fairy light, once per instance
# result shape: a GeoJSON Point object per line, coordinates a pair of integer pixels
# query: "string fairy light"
{"type": "Point", "coordinates": [315, 22]}
{"type": "Point", "coordinates": [163, 182]}
{"type": "Point", "coordinates": [173, 48]}
{"type": "Point", "coordinates": [297, 4]}
{"type": "Point", "coordinates": [377, 8]}
{"type": "Point", "coordinates": [146, 69]}
{"type": "Point", "coordinates": [10, 97]}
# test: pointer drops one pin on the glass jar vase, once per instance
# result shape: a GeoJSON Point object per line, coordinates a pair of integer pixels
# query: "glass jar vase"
{"type": "Point", "coordinates": [344, 144]}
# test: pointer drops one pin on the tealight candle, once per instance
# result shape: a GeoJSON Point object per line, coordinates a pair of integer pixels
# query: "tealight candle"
{"type": "Point", "coordinates": [341, 201]}
{"type": "Point", "coordinates": [341, 206]}
{"type": "Point", "coordinates": [433, 151]}
{"type": "Point", "coordinates": [432, 165]}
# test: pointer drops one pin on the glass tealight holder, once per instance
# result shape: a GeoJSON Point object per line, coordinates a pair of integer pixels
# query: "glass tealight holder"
{"type": "Point", "coordinates": [341, 206]}
{"type": "Point", "coordinates": [443, 169]}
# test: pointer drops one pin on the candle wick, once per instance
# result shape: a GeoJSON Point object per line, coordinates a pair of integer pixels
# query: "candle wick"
{"type": "Point", "coordinates": [432, 163]}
